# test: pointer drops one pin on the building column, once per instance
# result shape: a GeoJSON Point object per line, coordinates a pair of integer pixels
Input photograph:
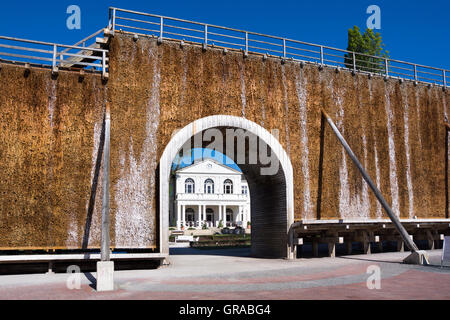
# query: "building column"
{"type": "Point", "coordinates": [184, 214]}
{"type": "Point", "coordinates": [219, 207]}
{"type": "Point", "coordinates": [178, 216]}
{"type": "Point", "coordinates": [219, 211]}
{"type": "Point", "coordinates": [239, 217]}
{"type": "Point", "coordinates": [245, 218]}
{"type": "Point", "coordinates": [224, 213]}
{"type": "Point", "coordinates": [204, 214]}
{"type": "Point", "coordinates": [199, 217]}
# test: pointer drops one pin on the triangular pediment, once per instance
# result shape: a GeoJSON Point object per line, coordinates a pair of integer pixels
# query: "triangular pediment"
{"type": "Point", "coordinates": [207, 166]}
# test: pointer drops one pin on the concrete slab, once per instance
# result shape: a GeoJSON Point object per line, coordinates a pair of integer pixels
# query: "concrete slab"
{"type": "Point", "coordinates": [223, 274]}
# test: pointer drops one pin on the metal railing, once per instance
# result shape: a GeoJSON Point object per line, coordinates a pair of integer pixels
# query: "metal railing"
{"type": "Point", "coordinates": [57, 56]}
{"type": "Point", "coordinates": [287, 49]}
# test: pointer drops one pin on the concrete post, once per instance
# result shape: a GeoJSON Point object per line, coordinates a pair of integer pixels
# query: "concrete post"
{"type": "Point", "coordinates": [105, 267]}
{"type": "Point", "coordinates": [105, 241]}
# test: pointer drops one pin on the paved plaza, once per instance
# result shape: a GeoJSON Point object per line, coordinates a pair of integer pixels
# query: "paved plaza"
{"type": "Point", "coordinates": [231, 274]}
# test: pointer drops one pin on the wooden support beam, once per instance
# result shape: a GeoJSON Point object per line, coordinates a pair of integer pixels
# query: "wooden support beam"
{"type": "Point", "coordinates": [332, 249]}
{"type": "Point", "coordinates": [366, 242]}
{"type": "Point", "coordinates": [333, 239]}
{"type": "Point", "coordinates": [400, 245]}
{"type": "Point", "coordinates": [366, 247]}
{"type": "Point", "coordinates": [50, 267]}
{"type": "Point", "coordinates": [430, 240]}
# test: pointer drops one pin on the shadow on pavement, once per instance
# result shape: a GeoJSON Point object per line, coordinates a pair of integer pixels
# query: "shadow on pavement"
{"type": "Point", "coordinates": [92, 279]}
{"type": "Point", "coordinates": [231, 252]}
{"type": "Point", "coordinates": [435, 262]}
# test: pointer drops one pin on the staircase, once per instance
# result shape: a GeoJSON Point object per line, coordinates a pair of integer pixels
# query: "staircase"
{"type": "Point", "coordinates": [86, 57]}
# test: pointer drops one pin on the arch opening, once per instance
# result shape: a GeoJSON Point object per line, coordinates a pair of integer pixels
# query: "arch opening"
{"type": "Point", "coordinates": [270, 184]}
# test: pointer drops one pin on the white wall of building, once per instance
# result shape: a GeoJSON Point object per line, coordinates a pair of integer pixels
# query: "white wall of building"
{"type": "Point", "coordinates": [215, 204]}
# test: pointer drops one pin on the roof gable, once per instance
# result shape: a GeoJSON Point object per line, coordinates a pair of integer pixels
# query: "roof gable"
{"type": "Point", "coordinates": [209, 166]}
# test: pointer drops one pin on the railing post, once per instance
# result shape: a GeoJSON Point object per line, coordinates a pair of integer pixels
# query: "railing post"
{"type": "Point", "coordinates": [206, 34]}
{"type": "Point", "coordinates": [114, 20]}
{"type": "Point", "coordinates": [246, 42]}
{"type": "Point", "coordinates": [54, 58]}
{"type": "Point", "coordinates": [354, 61]}
{"type": "Point", "coordinates": [386, 66]}
{"type": "Point", "coordinates": [445, 80]}
{"type": "Point", "coordinates": [415, 72]}
{"type": "Point", "coordinates": [284, 48]}
{"type": "Point", "coordinates": [161, 29]}
{"type": "Point", "coordinates": [321, 55]}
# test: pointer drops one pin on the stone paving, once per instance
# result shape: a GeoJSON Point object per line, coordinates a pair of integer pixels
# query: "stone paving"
{"type": "Point", "coordinates": [231, 274]}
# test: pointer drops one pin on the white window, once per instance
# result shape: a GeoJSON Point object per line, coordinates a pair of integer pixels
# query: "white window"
{"type": "Point", "coordinates": [189, 186]}
{"type": "Point", "coordinates": [228, 186]}
{"type": "Point", "coordinates": [209, 186]}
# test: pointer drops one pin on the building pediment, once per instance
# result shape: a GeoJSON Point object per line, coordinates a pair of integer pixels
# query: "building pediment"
{"type": "Point", "coordinates": [207, 166]}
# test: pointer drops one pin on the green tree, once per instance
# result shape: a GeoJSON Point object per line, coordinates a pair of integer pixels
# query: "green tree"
{"type": "Point", "coordinates": [368, 43]}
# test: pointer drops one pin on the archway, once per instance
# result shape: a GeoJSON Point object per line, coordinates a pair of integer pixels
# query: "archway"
{"type": "Point", "coordinates": [272, 197]}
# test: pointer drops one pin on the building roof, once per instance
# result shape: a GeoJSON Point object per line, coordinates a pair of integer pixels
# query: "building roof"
{"type": "Point", "coordinates": [209, 165]}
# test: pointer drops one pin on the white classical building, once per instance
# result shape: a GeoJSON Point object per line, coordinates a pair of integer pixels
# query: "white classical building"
{"type": "Point", "coordinates": [211, 193]}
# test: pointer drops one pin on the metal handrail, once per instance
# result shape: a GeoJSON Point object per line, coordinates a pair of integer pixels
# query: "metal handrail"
{"type": "Point", "coordinates": [265, 44]}
{"type": "Point", "coordinates": [83, 41]}
{"type": "Point", "coordinates": [54, 53]}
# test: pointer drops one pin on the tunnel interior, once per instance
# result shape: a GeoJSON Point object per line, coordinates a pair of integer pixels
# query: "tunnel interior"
{"type": "Point", "coordinates": [268, 195]}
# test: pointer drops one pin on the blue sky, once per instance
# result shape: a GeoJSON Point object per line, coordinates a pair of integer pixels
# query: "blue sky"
{"type": "Point", "coordinates": [414, 31]}
{"type": "Point", "coordinates": [201, 153]}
